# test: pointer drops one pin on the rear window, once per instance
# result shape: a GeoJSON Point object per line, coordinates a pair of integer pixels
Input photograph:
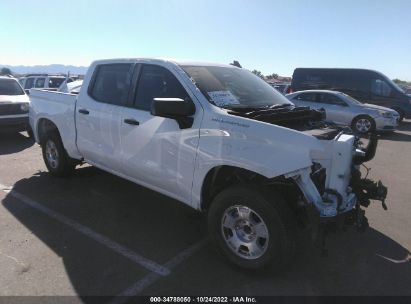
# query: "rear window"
{"type": "Point", "coordinates": [10, 87]}
{"type": "Point", "coordinates": [55, 82]}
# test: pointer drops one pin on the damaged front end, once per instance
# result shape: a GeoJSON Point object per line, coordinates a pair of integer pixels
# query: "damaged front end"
{"type": "Point", "coordinates": [333, 188]}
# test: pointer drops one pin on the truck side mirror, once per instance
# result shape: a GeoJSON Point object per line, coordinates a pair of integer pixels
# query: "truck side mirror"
{"type": "Point", "coordinates": [175, 108]}
{"type": "Point", "coordinates": [27, 91]}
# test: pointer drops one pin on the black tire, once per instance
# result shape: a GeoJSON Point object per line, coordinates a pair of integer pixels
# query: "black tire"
{"type": "Point", "coordinates": [63, 165]}
{"type": "Point", "coordinates": [364, 118]}
{"type": "Point", "coordinates": [275, 214]}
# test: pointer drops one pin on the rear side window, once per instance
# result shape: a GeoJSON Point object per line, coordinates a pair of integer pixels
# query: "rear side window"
{"type": "Point", "coordinates": [156, 82]}
{"type": "Point", "coordinates": [29, 83]}
{"type": "Point", "coordinates": [310, 97]}
{"type": "Point", "coordinates": [40, 82]}
{"type": "Point", "coordinates": [111, 83]}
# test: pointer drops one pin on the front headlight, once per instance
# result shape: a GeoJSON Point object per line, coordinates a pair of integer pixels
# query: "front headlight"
{"type": "Point", "coordinates": [24, 107]}
{"type": "Point", "coordinates": [386, 114]}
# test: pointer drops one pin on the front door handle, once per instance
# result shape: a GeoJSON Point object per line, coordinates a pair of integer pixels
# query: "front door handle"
{"type": "Point", "coordinates": [131, 121]}
{"type": "Point", "coordinates": [84, 111]}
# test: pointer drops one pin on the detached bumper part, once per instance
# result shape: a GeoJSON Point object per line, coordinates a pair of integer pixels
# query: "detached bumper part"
{"type": "Point", "coordinates": [366, 190]}
{"type": "Point", "coordinates": [367, 154]}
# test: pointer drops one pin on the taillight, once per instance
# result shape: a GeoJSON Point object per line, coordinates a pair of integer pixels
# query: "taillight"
{"type": "Point", "coordinates": [289, 90]}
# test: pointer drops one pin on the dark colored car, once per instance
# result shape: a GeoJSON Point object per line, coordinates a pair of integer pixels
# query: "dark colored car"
{"type": "Point", "coordinates": [367, 86]}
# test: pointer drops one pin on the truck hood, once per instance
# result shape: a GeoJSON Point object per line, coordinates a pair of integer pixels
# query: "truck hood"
{"type": "Point", "coordinates": [260, 145]}
{"type": "Point", "coordinates": [5, 99]}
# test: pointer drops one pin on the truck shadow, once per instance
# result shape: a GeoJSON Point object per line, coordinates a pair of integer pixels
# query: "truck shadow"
{"type": "Point", "coordinates": [396, 136]}
{"type": "Point", "coordinates": [158, 228]}
{"type": "Point", "coordinates": [15, 142]}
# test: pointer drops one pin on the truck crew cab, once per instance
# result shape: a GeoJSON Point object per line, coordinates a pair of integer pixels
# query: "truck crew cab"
{"type": "Point", "coordinates": [216, 138]}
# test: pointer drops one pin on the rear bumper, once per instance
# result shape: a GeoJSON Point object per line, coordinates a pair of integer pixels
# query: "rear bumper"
{"type": "Point", "coordinates": [14, 124]}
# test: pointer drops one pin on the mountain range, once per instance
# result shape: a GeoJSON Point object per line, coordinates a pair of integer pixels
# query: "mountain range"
{"type": "Point", "coordinates": [49, 69]}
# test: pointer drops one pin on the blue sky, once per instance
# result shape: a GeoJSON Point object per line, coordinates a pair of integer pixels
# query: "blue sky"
{"type": "Point", "coordinates": [271, 36]}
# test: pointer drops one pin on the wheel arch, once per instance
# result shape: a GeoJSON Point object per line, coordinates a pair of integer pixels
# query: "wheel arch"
{"type": "Point", "coordinates": [44, 127]}
{"type": "Point", "coordinates": [223, 176]}
{"type": "Point", "coordinates": [366, 116]}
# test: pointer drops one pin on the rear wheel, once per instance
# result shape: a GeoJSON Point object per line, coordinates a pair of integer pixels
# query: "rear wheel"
{"type": "Point", "coordinates": [55, 156]}
{"type": "Point", "coordinates": [363, 124]}
{"type": "Point", "coordinates": [252, 228]}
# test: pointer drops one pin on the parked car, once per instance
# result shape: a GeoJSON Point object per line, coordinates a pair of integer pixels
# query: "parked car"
{"type": "Point", "coordinates": [283, 88]}
{"type": "Point", "coordinates": [342, 109]}
{"type": "Point", "coordinates": [217, 138]}
{"type": "Point", "coordinates": [42, 81]}
{"type": "Point", "coordinates": [71, 87]}
{"type": "Point", "coordinates": [367, 86]}
{"type": "Point", "coordinates": [14, 106]}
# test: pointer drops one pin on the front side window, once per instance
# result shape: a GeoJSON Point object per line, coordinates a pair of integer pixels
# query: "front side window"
{"type": "Point", "coordinates": [10, 87]}
{"type": "Point", "coordinates": [111, 83]}
{"type": "Point", "coordinates": [380, 87]}
{"type": "Point", "coordinates": [40, 82]}
{"type": "Point", "coordinates": [229, 87]}
{"type": "Point", "coordinates": [156, 82]}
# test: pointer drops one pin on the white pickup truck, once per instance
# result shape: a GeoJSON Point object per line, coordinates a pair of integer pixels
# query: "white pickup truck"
{"type": "Point", "coordinates": [216, 138]}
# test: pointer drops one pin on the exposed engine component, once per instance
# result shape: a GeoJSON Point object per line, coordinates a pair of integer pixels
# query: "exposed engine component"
{"type": "Point", "coordinates": [286, 115]}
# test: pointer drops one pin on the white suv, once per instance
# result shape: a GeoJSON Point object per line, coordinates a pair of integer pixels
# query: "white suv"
{"type": "Point", "coordinates": [14, 106]}
{"type": "Point", "coordinates": [42, 81]}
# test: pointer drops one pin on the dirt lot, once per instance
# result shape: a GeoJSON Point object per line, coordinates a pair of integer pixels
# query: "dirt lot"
{"type": "Point", "coordinates": [96, 234]}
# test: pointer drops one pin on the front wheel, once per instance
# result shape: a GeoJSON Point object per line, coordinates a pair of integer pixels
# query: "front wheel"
{"type": "Point", "coordinates": [363, 124]}
{"type": "Point", "coordinates": [55, 156]}
{"type": "Point", "coordinates": [252, 228]}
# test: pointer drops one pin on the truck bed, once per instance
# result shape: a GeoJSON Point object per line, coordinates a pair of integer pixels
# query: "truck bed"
{"type": "Point", "coordinates": [58, 108]}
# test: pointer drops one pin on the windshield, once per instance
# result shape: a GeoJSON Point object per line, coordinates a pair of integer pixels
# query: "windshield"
{"type": "Point", "coordinates": [228, 87]}
{"type": "Point", "coordinates": [395, 85]}
{"type": "Point", "coordinates": [10, 87]}
{"type": "Point", "coordinates": [392, 83]}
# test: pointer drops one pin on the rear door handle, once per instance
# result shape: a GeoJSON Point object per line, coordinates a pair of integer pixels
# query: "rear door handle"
{"type": "Point", "coordinates": [131, 121]}
{"type": "Point", "coordinates": [84, 111]}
